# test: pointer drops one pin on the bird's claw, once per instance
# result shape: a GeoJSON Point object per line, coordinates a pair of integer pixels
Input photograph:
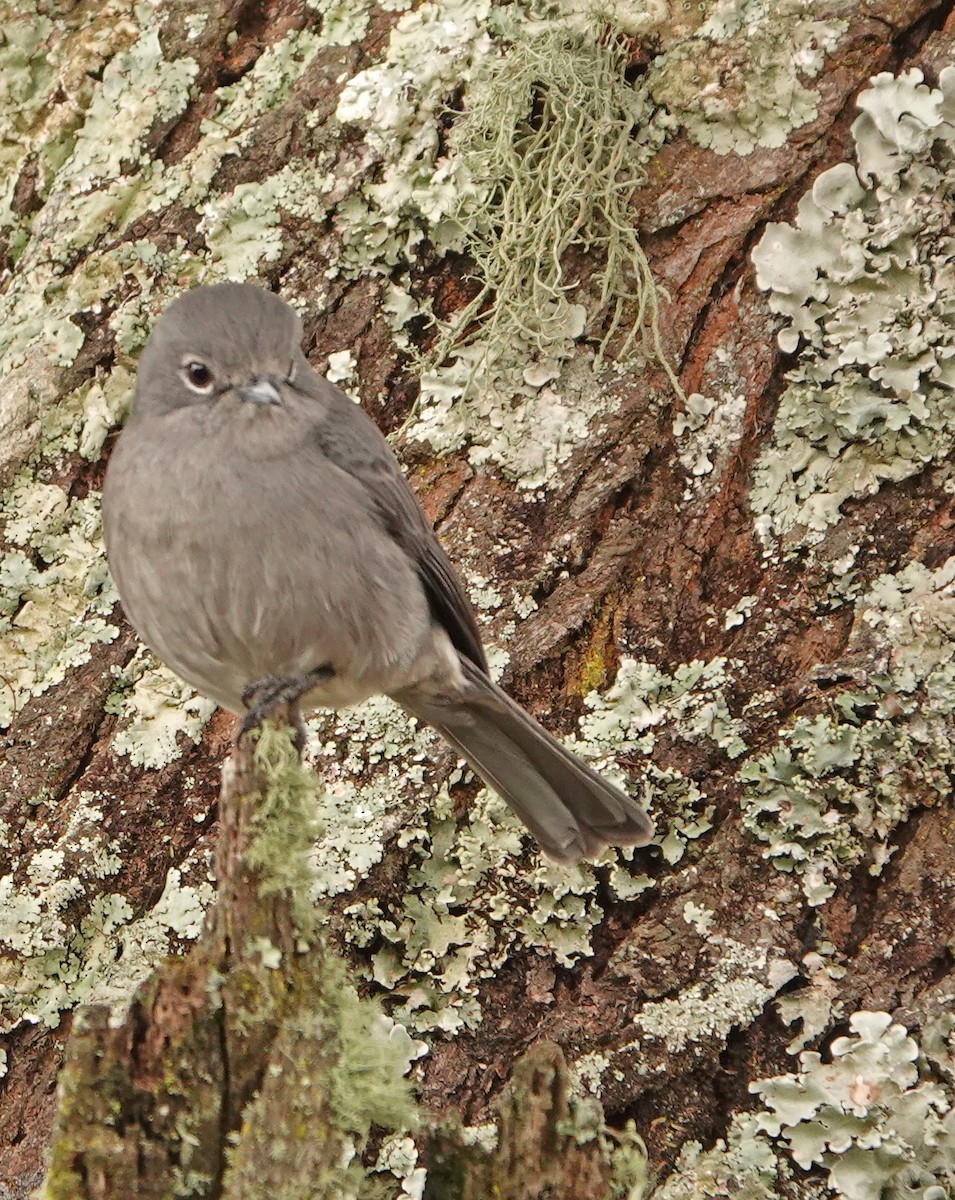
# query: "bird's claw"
{"type": "Point", "coordinates": [264, 696]}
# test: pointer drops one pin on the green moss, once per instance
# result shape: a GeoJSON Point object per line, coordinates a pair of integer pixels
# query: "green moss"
{"type": "Point", "coordinates": [336, 1061]}
{"type": "Point", "coordinates": [285, 824]}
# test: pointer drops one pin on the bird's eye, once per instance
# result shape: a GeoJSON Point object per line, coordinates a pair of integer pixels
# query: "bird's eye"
{"type": "Point", "coordinates": [198, 376]}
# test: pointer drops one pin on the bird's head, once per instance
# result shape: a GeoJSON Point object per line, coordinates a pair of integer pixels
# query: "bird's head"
{"type": "Point", "coordinates": [229, 343]}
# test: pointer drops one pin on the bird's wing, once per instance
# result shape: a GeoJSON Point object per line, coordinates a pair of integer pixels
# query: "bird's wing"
{"type": "Point", "coordinates": [350, 439]}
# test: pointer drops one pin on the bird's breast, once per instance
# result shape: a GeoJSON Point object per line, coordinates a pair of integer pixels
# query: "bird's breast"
{"type": "Point", "coordinates": [233, 565]}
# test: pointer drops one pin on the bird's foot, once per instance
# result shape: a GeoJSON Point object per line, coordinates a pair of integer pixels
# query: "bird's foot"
{"type": "Point", "coordinates": [264, 696]}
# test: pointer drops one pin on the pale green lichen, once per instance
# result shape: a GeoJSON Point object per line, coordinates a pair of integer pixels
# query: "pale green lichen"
{"type": "Point", "coordinates": [627, 718]}
{"type": "Point", "coordinates": [690, 703]}
{"type": "Point", "coordinates": [529, 435]}
{"type": "Point", "coordinates": [398, 1157]}
{"type": "Point", "coordinates": [552, 109]}
{"type": "Point", "coordinates": [472, 898]}
{"type": "Point", "coordinates": [699, 917]}
{"type": "Point", "coordinates": [398, 102]}
{"type": "Point", "coordinates": [341, 366]}
{"type": "Point", "coordinates": [344, 22]}
{"type": "Point", "coordinates": [710, 431]}
{"type": "Point", "coordinates": [816, 1004]}
{"type": "Point", "coordinates": [139, 87]}
{"type": "Point", "coordinates": [825, 799]}
{"type": "Point", "coordinates": [740, 612]}
{"type": "Point", "coordinates": [735, 987]}
{"type": "Point", "coordinates": [507, 194]}
{"type": "Point", "coordinates": [877, 1115]}
{"type": "Point", "coordinates": [67, 950]}
{"type": "Point", "coordinates": [244, 227]}
{"type": "Point", "coordinates": [55, 595]}
{"type": "Point", "coordinates": [471, 902]}
{"type": "Point", "coordinates": [737, 81]}
{"type": "Point", "coordinates": [378, 751]}
{"type": "Point", "coordinates": [156, 709]}
{"type": "Point", "coordinates": [743, 1164]}
{"type": "Point", "coordinates": [864, 279]}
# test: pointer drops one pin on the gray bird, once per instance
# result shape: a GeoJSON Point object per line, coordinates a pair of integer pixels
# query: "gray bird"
{"type": "Point", "coordinates": [267, 547]}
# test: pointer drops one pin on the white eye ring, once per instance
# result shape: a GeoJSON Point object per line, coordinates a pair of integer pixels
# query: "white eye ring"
{"type": "Point", "coordinates": [198, 377]}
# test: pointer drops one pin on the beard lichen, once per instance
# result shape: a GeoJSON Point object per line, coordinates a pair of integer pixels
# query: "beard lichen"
{"type": "Point", "coordinates": [552, 257]}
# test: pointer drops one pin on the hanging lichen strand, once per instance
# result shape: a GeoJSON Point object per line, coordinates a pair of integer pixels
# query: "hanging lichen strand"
{"type": "Point", "coordinates": [554, 140]}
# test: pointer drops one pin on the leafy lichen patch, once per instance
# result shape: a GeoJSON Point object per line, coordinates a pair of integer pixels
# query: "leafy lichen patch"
{"type": "Point", "coordinates": [864, 280]}
{"type": "Point", "coordinates": [742, 78]}
{"type": "Point", "coordinates": [743, 1163]}
{"type": "Point", "coordinates": [472, 898]}
{"type": "Point", "coordinates": [62, 948]}
{"type": "Point", "coordinates": [55, 595]}
{"type": "Point", "coordinates": [833, 791]}
{"type": "Point", "coordinates": [736, 986]}
{"type": "Point", "coordinates": [157, 708]}
{"type": "Point", "coordinates": [877, 1115]}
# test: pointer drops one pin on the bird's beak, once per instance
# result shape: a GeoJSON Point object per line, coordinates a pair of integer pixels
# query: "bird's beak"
{"type": "Point", "coordinates": [260, 392]}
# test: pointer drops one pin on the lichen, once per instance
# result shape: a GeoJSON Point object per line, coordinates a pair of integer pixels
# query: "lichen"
{"type": "Point", "coordinates": [398, 1157]}
{"type": "Point", "coordinates": [506, 194]}
{"type": "Point", "coordinates": [63, 948]}
{"type": "Point", "coordinates": [549, 110]}
{"type": "Point", "coordinates": [398, 102]}
{"type": "Point", "coordinates": [824, 799]}
{"type": "Point", "coordinates": [877, 1115]}
{"type": "Point", "coordinates": [743, 1164]}
{"type": "Point", "coordinates": [816, 1004]}
{"type": "Point", "coordinates": [737, 81]}
{"type": "Point", "coordinates": [284, 823]}
{"type": "Point", "coordinates": [736, 984]}
{"type": "Point", "coordinates": [710, 430]}
{"type": "Point", "coordinates": [156, 709]}
{"type": "Point", "coordinates": [344, 22]}
{"type": "Point", "coordinates": [529, 435]}
{"type": "Point", "coordinates": [473, 899]}
{"type": "Point", "coordinates": [864, 280]}
{"type": "Point", "coordinates": [690, 703]}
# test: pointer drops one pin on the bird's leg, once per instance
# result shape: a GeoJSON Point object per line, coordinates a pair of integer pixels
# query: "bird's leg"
{"type": "Point", "coordinates": [263, 696]}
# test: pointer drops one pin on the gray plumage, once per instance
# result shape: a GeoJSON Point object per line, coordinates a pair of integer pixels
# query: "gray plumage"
{"type": "Point", "coordinates": [260, 529]}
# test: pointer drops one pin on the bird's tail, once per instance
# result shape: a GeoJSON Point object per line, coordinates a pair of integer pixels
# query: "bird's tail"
{"type": "Point", "coordinates": [571, 810]}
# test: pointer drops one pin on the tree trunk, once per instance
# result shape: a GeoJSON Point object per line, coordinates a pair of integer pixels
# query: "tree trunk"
{"type": "Point", "coordinates": [734, 588]}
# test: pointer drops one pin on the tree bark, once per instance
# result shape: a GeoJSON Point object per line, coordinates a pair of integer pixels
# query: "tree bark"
{"type": "Point", "coordinates": [780, 688]}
